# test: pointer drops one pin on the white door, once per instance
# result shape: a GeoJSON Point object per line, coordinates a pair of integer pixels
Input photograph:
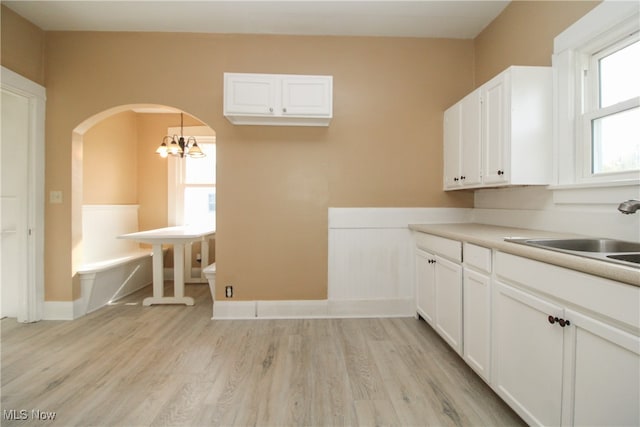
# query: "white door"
{"type": "Point", "coordinates": [14, 212]}
{"type": "Point", "coordinates": [527, 355]}
{"type": "Point", "coordinates": [471, 137]}
{"type": "Point", "coordinates": [452, 146]}
{"type": "Point", "coordinates": [250, 94]}
{"type": "Point", "coordinates": [425, 286]}
{"type": "Point", "coordinates": [22, 197]}
{"type": "Point", "coordinates": [495, 118]}
{"type": "Point", "coordinates": [307, 96]}
{"type": "Point", "coordinates": [477, 321]}
{"type": "Point", "coordinates": [603, 368]}
{"type": "Point", "coordinates": [449, 302]}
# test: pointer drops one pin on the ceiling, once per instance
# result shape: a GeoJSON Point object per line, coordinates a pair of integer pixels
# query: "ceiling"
{"type": "Point", "coordinates": [417, 18]}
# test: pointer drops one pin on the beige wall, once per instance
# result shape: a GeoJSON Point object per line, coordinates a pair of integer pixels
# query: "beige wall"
{"type": "Point", "coordinates": [22, 46]}
{"type": "Point", "coordinates": [110, 161]}
{"type": "Point", "coordinates": [275, 184]}
{"type": "Point", "coordinates": [523, 35]}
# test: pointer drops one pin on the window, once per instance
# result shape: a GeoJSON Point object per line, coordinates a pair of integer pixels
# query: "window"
{"type": "Point", "coordinates": [192, 183]}
{"type": "Point", "coordinates": [611, 117]}
{"type": "Point", "coordinates": [596, 64]}
{"type": "Point", "coordinates": [199, 187]}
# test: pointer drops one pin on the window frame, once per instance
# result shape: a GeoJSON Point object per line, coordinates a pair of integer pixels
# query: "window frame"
{"type": "Point", "coordinates": [589, 75]}
{"type": "Point", "coordinates": [606, 25]}
{"type": "Point", "coordinates": [176, 174]}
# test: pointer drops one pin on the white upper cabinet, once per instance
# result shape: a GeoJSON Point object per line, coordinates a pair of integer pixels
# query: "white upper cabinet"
{"type": "Point", "coordinates": [462, 135]}
{"type": "Point", "coordinates": [503, 132]}
{"type": "Point", "coordinates": [278, 100]}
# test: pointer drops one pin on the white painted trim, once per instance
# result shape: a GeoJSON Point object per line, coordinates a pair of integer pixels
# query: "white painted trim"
{"type": "Point", "coordinates": [63, 310]}
{"type": "Point", "coordinates": [31, 307]}
{"type": "Point", "coordinates": [394, 217]}
{"type": "Point", "coordinates": [314, 309]}
{"type": "Point", "coordinates": [392, 307]}
{"type": "Point", "coordinates": [291, 309]}
{"type": "Point", "coordinates": [234, 310]}
{"type": "Point", "coordinates": [600, 19]}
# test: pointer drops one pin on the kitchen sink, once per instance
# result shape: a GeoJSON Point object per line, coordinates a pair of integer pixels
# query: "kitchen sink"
{"type": "Point", "coordinates": [609, 250]}
{"type": "Point", "coordinates": [587, 245]}
{"type": "Point", "coordinates": [635, 258]}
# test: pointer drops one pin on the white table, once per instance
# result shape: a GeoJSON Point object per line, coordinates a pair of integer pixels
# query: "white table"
{"type": "Point", "coordinates": [179, 237]}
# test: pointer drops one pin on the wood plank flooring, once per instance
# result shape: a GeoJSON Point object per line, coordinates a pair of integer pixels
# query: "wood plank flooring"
{"type": "Point", "coordinates": [129, 365]}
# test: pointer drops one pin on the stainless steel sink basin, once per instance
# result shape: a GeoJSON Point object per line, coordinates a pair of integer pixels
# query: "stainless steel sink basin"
{"type": "Point", "coordinates": [587, 245]}
{"type": "Point", "coordinates": [609, 250]}
{"type": "Point", "coordinates": [635, 258]}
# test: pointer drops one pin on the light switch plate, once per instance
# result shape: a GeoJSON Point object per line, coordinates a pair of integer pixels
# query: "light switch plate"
{"type": "Point", "coordinates": [55, 197]}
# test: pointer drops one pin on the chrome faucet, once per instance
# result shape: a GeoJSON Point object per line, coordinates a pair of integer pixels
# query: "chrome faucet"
{"type": "Point", "coordinates": [629, 207]}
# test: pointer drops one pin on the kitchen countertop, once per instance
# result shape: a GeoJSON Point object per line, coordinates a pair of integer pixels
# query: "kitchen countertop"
{"type": "Point", "coordinates": [491, 236]}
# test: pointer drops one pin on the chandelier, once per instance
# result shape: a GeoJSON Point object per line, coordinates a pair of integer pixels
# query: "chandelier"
{"type": "Point", "coordinates": [178, 146]}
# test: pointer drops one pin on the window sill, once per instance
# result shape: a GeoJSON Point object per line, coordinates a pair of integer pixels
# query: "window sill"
{"type": "Point", "coordinates": [596, 193]}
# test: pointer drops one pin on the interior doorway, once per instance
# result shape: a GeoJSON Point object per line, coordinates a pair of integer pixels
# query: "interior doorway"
{"type": "Point", "coordinates": [22, 198]}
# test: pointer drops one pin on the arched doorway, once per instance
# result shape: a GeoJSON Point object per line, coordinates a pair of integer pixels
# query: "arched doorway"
{"type": "Point", "coordinates": [115, 165]}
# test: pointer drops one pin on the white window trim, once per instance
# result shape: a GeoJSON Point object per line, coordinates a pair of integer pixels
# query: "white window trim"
{"type": "Point", "coordinates": [606, 23]}
{"type": "Point", "coordinates": [175, 208]}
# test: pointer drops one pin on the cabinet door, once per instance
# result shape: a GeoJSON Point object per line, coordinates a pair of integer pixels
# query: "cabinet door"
{"type": "Point", "coordinates": [425, 286]}
{"type": "Point", "coordinates": [496, 115]}
{"type": "Point", "coordinates": [452, 146]}
{"type": "Point", "coordinates": [527, 355]}
{"type": "Point", "coordinates": [477, 322]}
{"type": "Point", "coordinates": [602, 374]}
{"type": "Point", "coordinates": [250, 94]}
{"type": "Point", "coordinates": [448, 283]}
{"type": "Point", "coordinates": [307, 96]}
{"type": "Point", "coordinates": [471, 137]}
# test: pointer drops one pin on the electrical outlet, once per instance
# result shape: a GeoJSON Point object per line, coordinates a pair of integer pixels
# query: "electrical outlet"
{"type": "Point", "coordinates": [228, 291]}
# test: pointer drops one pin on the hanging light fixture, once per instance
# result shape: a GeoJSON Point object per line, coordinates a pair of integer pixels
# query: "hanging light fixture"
{"type": "Point", "coordinates": [178, 146]}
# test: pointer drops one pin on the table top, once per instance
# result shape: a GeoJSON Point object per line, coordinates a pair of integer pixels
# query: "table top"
{"type": "Point", "coordinates": [171, 234]}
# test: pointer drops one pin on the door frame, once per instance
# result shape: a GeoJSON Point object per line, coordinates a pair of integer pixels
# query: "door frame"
{"type": "Point", "coordinates": [31, 296]}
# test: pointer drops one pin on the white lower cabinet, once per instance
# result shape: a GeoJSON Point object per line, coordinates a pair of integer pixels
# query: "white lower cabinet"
{"type": "Point", "coordinates": [439, 286]}
{"type": "Point", "coordinates": [602, 374]}
{"type": "Point", "coordinates": [559, 346]}
{"type": "Point", "coordinates": [527, 355]}
{"type": "Point", "coordinates": [425, 289]}
{"type": "Point", "coordinates": [566, 349]}
{"type": "Point", "coordinates": [448, 283]}
{"type": "Point", "coordinates": [476, 306]}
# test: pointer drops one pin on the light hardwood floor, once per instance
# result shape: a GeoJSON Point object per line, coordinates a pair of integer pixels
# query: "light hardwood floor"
{"type": "Point", "coordinates": [129, 365]}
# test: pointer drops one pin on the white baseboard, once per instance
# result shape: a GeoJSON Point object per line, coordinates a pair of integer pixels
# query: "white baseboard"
{"type": "Point", "coordinates": [63, 310]}
{"type": "Point", "coordinates": [234, 310]}
{"type": "Point", "coordinates": [313, 309]}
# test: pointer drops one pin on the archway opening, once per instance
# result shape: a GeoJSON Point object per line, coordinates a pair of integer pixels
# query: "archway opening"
{"type": "Point", "coordinates": [114, 168]}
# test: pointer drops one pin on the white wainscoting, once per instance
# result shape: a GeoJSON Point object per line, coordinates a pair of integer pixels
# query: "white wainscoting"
{"type": "Point", "coordinates": [371, 258]}
{"type": "Point", "coordinates": [370, 267]}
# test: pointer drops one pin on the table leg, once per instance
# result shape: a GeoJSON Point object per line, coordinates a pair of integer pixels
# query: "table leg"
{"type": "Point", "coordinates": [158, 276]}
{"type": "Point", "coordinates": [178, 278]}
{"type": "Point", "coordinates": [204, 250]}
{"type": "Point", "coordinates": [178, 275]}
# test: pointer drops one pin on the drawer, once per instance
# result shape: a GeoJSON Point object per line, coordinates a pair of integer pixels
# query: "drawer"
{"type": "Point", "coordinates": [448, 248]}
{"type": "Point", "coordinates": [477, 257]}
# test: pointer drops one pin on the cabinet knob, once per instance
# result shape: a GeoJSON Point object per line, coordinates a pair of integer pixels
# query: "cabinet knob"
{"type": "Point", "coordinates": [552, 319]}
{"type": "Point", "coordinates": [284, 110]}
{"type": "Point", "coordinates": [271, 109]}
{"type": "Point", "coordinates": [455, 179]}
{"type": "Point", "coordinates": [564, 323]}
{"type": "Point", "coordinates": [500, 172]}
{"type": "Point", "coordinates": [463, 177]}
